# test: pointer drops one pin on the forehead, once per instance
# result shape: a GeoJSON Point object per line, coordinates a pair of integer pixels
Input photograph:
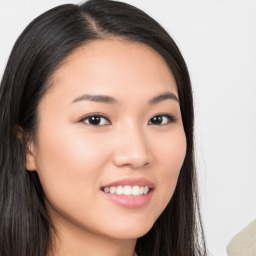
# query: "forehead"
{"type": "Point", "coordinates": [114, 67]}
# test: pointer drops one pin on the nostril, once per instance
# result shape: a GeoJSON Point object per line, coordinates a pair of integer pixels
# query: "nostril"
{"type": "Point", "coordinates": [132, 161]}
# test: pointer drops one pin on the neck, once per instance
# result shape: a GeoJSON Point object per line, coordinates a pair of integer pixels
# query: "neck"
{"type": "Point", "coordinates": [76, 241]}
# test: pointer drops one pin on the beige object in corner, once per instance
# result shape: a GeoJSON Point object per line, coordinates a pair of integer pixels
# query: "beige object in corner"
{"type": "Point", "coordinates": [244, 243]}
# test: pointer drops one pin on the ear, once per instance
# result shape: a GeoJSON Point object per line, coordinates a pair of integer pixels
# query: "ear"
{"type": "Point", "coordinates": [29, 146]}
{"type": "Point", "coordinates": [30, 157]}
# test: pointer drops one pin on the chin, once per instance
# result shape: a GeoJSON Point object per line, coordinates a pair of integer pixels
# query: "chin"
{"type": "Point", "coordinates": [131, 231]}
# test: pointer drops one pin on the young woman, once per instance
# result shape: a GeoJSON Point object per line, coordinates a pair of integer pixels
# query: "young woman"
{"type": "Point", "coordinates": [97, 138]}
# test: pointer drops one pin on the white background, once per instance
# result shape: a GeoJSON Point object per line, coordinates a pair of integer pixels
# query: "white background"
{"type": "Point", "coordinates": [218, 41]}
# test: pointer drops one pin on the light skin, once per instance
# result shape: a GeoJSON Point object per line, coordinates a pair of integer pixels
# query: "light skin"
{"type": "Point", "coordinates": [75, 158]}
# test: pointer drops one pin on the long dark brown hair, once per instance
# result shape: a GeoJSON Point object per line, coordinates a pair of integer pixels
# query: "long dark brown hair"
{"type": "Point", "coordinates": [25, 226]}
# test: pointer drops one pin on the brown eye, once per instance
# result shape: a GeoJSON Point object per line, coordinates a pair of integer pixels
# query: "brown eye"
{"type": "Point", "coordinates": [161, 120]}
{"type": "Point", "coordinates": [96, 120]}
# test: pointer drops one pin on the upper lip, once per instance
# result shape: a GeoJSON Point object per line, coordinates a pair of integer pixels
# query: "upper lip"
{"type": "Point", "coordinates": [131, 182]}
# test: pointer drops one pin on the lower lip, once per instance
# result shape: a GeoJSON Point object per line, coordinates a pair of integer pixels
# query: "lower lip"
{"type": "Point", "coordinates": [129, 201]}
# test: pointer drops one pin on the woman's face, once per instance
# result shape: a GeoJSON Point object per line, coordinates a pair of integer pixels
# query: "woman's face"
{"type": "Point", "coordinates": [110, 129]}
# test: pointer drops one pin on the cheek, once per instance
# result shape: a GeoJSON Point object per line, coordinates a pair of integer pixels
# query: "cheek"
{"type": "Point", "coordinates": [171, 152]}
{"type": "Point", "coordinates": [68, 165]}
{"type": "Point", "coordinates": [69, 151]}
{"type": "Point", "coordinates": [171, 156]}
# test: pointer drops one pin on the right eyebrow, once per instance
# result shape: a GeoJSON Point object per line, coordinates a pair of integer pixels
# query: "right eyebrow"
{"type": "Point", "coordinates": [96, 98]}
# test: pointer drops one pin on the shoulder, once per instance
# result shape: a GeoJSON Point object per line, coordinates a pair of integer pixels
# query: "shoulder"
{"type": "Point", "coordinates": [244, 242]}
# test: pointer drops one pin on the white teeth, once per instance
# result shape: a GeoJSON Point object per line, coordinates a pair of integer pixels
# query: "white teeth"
{"type": "Point", "coordinates": [112, 190]}
{"type": "Point", "coordinates": [135, 190]}
{"type": "Point", "coordinates": [119, 190]}
{"type": "Point", "coordinates": [146, 189]}
{"type": "Point", "coordinates": [127, 190]}
{"type": "Point", "coordinates": [107, 189]}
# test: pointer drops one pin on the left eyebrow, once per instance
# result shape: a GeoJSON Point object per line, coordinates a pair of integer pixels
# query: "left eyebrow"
{"type": "Point", "coordinates": [162, 97]}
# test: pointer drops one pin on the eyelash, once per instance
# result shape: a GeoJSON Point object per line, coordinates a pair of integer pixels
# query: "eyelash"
{"type": "Point", "coordinates": [170, 119]}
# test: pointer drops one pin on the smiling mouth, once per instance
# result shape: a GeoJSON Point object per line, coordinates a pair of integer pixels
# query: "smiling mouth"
{"type": "Point", "coordinates": [127, 190]}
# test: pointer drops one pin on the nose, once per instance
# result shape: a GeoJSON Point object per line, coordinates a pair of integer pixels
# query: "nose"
{"type": "Point", "coordinates": [132, 149]}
